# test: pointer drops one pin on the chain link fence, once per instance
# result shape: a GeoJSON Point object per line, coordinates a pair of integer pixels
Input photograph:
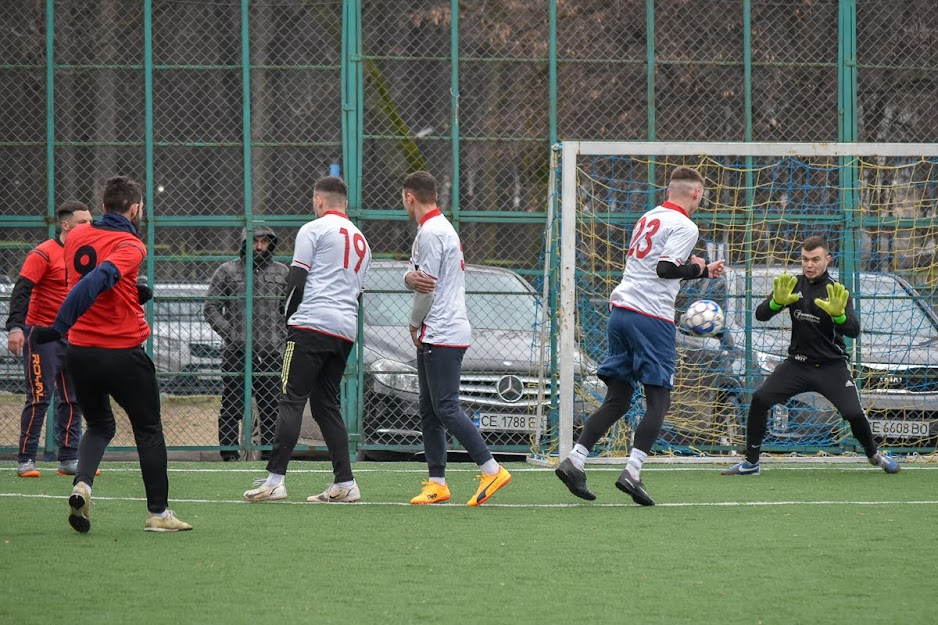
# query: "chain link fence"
{"type": "Point", "coordinates": [229, 110]}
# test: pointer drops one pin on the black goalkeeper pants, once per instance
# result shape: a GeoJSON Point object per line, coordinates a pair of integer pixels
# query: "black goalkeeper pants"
{"type": "Point", "coordinates": [831, 380]}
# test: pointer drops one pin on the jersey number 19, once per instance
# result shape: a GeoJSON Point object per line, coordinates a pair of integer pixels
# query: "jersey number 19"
{"type": "Point", "coordinates": [360, 248]}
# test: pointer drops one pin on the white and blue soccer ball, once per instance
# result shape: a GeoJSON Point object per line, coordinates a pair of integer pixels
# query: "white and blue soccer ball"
{"type": "Point", "coordinates": [704, 318]}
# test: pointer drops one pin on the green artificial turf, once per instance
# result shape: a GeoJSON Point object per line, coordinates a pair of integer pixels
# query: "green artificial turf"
{"type": "Point", "coordinates": [798, 544]}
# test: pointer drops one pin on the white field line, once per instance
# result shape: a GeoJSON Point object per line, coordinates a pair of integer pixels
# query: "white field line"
{"type": "Point", "coordinates": [133, 467]}
{"type": "Point", "coordinates": [702, 504]}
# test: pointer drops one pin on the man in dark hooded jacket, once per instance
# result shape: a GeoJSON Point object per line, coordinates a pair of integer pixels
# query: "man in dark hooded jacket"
{"type": "Point", "coordinates": [226, 312]}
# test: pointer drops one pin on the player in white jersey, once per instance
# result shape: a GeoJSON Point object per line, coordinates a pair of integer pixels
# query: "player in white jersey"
{"type": "Point", "coordinates": [327, 277]}
{"type": "Point", "coordinates": [642, 333]}
{"type": "Point", "coordinates": [440, 330]}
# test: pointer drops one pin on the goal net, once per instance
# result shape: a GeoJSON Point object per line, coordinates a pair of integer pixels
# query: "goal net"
{"type": "Point", "coordinates": [876, 205]}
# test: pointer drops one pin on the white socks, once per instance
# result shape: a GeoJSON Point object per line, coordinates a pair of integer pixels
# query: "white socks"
{"type": "Point", "coordinates": [345, 484]}
{"type": "Point", "coordinates": [636, 460]}
{"type": "Point", "coordinates": [274, 479]}
{"type": "Point", "coordinates": [438, 480]}
{"type": "Point", "coordinates": [578, 456]}
{"type": "Point", "coordinates": [490, 467]}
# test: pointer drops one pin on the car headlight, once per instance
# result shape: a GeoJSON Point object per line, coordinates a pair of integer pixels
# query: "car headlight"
{"type": "Point", "coordinates": [396, 375]}
{"type": "Point", "coordinates": [768, 362]}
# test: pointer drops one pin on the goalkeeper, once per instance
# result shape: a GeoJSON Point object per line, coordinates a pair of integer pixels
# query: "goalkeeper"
{"type": "Point", "coordinates": [821, 316]}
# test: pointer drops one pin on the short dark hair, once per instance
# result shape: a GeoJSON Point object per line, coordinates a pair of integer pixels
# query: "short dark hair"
{"type": "Point", "coordinates": [331, 184]}
{"type": "Point", "coordinates": [120, 193]}
{"type": "Point", "coordinates": [423, 186]}
{"type": "Point", "coordinates": [68, 207]}
{"type": "Point", "coordinates": [686, 174]}
{"type": "Point", "coordinates": [812, 243]}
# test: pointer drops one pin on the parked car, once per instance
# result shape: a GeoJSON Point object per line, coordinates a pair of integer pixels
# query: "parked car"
{"type": "Point", "coordinates": [499, 386]}
{"type": "Point", "coordinates": [186, 351]}
{"type": "Point", "coordinates": [500, 375]}
{"type": "Point", "coordinates": [12, 378]}
{"type": "Point", "coordinates": [897, 368]}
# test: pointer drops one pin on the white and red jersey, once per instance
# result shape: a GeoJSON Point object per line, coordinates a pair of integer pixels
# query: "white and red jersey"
{"type": "Point", "coordinates": [437, 253]}
{"type": "Point", "coordinates": [337, 256]}
{"type": "Point", "coordinates": [663, 233]}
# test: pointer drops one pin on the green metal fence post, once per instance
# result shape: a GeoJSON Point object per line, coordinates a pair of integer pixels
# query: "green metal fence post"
{"type": "Point", "coordinates": [352, 78]}
{"type": "Point", "coordinates": [553, 277]}
{"type": "Point", "coordinates": [150, 198]}
{"type": "Point", "coordinates": [249, 225]}
{"type": "Point", "coordinates": [750, 191]}
{"type": "Point", "coordinates": [847, 133]}
{"type": "Point", "coordinates": [650, 79]}
{"type": "Point", "coordinates": [552, 73]}
{"type": "Point", "coordinates": [454, 108]}
{"type": "Point", "coordinates": [50, 175]}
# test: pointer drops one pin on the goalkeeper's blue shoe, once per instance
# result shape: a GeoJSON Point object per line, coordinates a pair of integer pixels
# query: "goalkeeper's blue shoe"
{"type": "Point", "coordinates": [742, 468]}
{"type": "Point", "coordinates": [886, 462]}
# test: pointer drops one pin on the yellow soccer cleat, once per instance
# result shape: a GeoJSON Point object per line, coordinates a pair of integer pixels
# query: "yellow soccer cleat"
{"type": "Point", "coordinates": [489, 485]}
{"type": "Point", "coordinates": [431, 493]}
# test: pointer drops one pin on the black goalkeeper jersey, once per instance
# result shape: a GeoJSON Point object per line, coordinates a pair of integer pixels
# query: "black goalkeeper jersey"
{"type": "Point", "coordinates": [815, 338]}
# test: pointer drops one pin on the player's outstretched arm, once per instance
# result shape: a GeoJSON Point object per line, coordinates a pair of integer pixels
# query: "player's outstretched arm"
{"type": "Point", "coordinates": [715, 269]}
{"type": "Point", "coordinates": [100, 279]}
{"type": "Point", "coordinates": [695, 268]}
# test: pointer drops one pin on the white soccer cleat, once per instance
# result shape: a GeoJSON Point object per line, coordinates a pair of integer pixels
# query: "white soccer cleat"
{"type": "Point", "coordinates": [337, 494]}
{"type": "Point", "coordinates": [79, 508]}
{"type": "Point", "coordinates": [166, 521]}
{"type": "Point", "coordinates": [266, 492]}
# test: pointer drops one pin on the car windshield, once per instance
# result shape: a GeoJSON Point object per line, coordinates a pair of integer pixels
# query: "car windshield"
{"type": "Point", "coordinates": [885, 307]}
{"type": "Point", "coordinates": [177, 304]}
{"type": "Point", "coordinates": [494, 300]}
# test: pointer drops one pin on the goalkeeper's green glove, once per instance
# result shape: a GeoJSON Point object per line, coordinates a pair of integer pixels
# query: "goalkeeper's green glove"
{"type": "Point", "coordinates": [782, 287]}
{"type": "Point", "coordinates": [836, 303]}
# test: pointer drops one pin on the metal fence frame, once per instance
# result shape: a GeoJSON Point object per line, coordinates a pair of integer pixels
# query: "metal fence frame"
{"type": "Point", "coordinates": [354, 66]}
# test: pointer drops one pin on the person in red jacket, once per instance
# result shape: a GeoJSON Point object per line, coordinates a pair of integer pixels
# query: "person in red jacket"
{"type": "Point", "coordinates": [106, 325]}
{"type": "Point", "coordinates": [37, 295]}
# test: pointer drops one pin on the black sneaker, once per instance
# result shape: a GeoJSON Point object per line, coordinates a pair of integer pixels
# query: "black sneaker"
{"type": "Point", "coordinates": [574, 479]}
{"type": "Point", "coordinates": [628, 484]}
{"type": "Point", "coordinates": [230, 457]}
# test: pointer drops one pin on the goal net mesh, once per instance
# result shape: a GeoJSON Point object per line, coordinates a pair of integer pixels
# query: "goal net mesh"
{"type": "Point", "coordinates": [878, 213]}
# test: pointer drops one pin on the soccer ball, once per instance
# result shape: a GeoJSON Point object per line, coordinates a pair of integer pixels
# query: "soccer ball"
{"type": "Point", "coordinates": [704, 318]}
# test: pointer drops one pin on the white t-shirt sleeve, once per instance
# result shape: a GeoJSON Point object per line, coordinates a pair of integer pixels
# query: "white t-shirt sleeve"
{"type": "Point", "coordinates": [680, 243]}
{"type": "Point", "coordinates": [429, 259]}
{"type": "Point", "coordinates": [304, 247]}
